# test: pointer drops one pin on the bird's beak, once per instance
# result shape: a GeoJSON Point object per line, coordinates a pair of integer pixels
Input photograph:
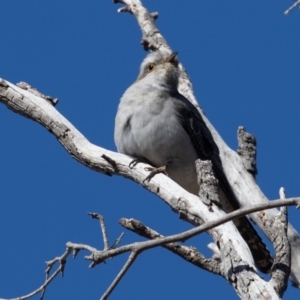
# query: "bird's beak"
{"type": "Point", "coordinates": [172, 58]}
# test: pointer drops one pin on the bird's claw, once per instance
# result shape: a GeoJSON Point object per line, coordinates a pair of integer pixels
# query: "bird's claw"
{"type": "Point", "coordinates": [154, 171]}
{"type": "Point", "coordinates": [134, 162]}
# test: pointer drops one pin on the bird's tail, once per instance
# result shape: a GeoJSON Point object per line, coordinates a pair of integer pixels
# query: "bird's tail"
{"type": "Point", "coordinates": [261, 255]}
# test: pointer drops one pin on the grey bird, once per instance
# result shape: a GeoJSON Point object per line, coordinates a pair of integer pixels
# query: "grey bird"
{"type": "Point", "coordinates": [157, 124]}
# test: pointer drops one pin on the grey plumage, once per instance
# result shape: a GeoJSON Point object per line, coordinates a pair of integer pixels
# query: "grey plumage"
{"type": "Point", "coordinates": [156, 123]}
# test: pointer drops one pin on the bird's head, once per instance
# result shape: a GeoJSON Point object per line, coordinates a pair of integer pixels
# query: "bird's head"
{"type": "Point", "coordinates": [160, 69]}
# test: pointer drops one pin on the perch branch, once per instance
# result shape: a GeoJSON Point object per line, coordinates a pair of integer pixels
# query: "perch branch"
{"type": "Point", "coordinates": [31, 106]}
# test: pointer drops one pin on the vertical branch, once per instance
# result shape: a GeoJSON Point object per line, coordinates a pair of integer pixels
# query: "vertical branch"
{"type": "Point", "coordinates": [208, 184]}
{"type": "Point", "coordinates": [247, 150]}
{"type": "Point", "coordinates": [282, 263]}
{"type": "Point", "coordinates": [103, 228]}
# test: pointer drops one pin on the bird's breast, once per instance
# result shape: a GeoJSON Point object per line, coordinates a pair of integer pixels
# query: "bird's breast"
{"type": "Point", "coordinates": [149, 128]}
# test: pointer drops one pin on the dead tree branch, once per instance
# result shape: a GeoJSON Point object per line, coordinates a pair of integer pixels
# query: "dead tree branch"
{"type": "Point", "coordinates": [170, 242]}
{"type": "Point", "coordinates": [282, 263]}
{"type": "Point", "coordinates": [296, 4]}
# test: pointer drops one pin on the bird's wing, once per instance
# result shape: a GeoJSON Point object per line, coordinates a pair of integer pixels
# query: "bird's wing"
{"type": "Point", "coordinates": [192, 122]}
{"type": "Point", "coordinates": [206, 148]}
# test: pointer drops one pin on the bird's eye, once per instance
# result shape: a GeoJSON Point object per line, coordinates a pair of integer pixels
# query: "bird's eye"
{"type": "Point", "coordinates": [151, 67]}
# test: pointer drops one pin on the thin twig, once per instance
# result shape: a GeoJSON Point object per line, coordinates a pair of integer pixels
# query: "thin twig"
{"type": "Point", "coordinates": [188, 253]}
{"type": "Point", "coordinates": [62, 260]}
{"type": "Point", "coordinates": [292, 7]}
{"type": "Point", "coordinates": [123, 271]}
{"type": "Point", "coordinates": [104, 233]}
{"type": "Point", "coordinates": [142, 246]}
{"type": "Point", "coordinates": [99, 256]}
{"type": "Point", "coordinates": [103, 228]}
{"type": "Point", "coordinates": [118, 240]}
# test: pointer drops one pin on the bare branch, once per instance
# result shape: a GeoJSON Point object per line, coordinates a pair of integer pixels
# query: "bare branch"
{"type": "Point", "coordinates": [123, 271]}
{"type": "Point", "coordinates": [189, 254]}
{"type": "Point", "coordinates": [118, 240]}
{"type": "Point", "coordinates": [247, 150]}
{"type": "Point", "coordinates": [152, 39]}
{"type": "Point", "coordinates": [26, 86]}
{"type": "Point", "coordinates": [62, 260]}
{"type": "Point", "coordinates": [207, 182]}
{"type": "Point", "coordinates": [282, 263]}
{"type": "Point", "coordinates": [297, 3]}
{"type": "Point", "coordinates": [100, 256]}
{"type": "Point", "coordinates": [103, 228]}
{"type": "Point", "coordinates": [104, 233]}
{"type": "Point", "coordinates": [75, 143]}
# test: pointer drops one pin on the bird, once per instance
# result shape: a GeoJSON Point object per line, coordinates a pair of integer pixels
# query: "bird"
{"type": "Point", "coordinates": [156, 124]}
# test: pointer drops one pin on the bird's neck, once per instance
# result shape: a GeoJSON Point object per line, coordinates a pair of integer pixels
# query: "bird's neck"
{"type": "Point", "coordinates": [162, 87]}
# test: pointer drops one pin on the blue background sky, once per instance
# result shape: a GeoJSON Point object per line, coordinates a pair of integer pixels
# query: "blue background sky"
{"type": "Point", "coordinates": [243, 59]}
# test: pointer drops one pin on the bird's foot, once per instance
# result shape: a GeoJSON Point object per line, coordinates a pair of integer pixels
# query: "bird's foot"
{"type": "Point", "coordinates": [154, 171]}
{"type": "Point", "coordinates": [137, 160]}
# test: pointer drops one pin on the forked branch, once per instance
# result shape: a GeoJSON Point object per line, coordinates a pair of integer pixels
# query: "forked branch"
{"type": "Point", "coordinates": [99, 256]}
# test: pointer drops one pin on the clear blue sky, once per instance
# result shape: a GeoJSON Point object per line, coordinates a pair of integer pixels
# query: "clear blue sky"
{"type": "Point", "coordinates": [243, 59]}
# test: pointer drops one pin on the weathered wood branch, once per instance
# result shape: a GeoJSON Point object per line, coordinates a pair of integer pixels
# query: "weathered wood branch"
{"type": "Point", "coordinates": [111, 163]}
{"type": "Point", "coordinates": [282, 264]}
{"type": "Point", "coordinates": [208, 184]}
{"type": "Point", "coordinates": [247, 150]}
{"type": "Point", "coordinates": [279, 273]}
{"type": "Point", "coordinates": [189, 254]}
{"type": "Point", "coordinates": [296, 4]}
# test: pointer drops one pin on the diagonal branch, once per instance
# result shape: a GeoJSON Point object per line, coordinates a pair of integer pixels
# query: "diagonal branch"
{"type": "Point", "coordinates": [189, 254]}
{"type": "Point", "coordinates": [122, 272]}
{"type": "Point", "coordinates": [62, 261]}
{"type": "Point", "coordinates": [297, 3]}
{"type": "Point", "coordinates": [97, 256]}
